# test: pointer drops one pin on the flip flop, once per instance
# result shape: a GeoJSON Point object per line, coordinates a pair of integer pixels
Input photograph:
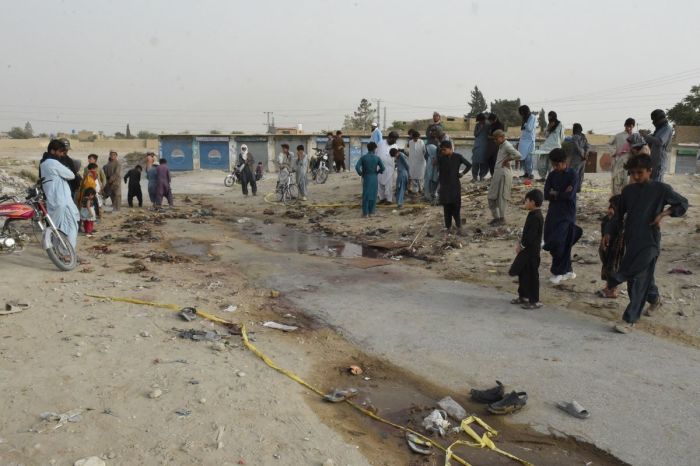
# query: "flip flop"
{"type": "Point", "coordinates": [417, 444]}
{"type": "Point", "coordinates": [188, 313]}
{"type": "Point", "coordinates": [336, 396]}
{"type": "Point", "coordinates": [489, 395]}
{"type": "Point", "coordinates": [574, 409]}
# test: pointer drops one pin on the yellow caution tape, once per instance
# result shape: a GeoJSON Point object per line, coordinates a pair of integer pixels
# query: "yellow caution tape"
{"type": "Point", "coordinates": [480, 442]}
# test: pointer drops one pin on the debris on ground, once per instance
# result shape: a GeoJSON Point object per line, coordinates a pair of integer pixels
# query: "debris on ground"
{"type": "Point", "coordinates": [294, 214]}
{"type": "Point", "coordinates": [230, 308]}
{"type": "Point", "coordinates": [188, 313]}
{"type": "Point", "coordinates": [436, 422]}
{"type": "Point", "coordinates": [355, 369]}
{"type": "Point", "coordinates": [183, 412]}
{"type": "Point", "coordinates": [137, 266]}
{"type": "Point", "coordinates": [156, 393]}
{"type": "Point", "coordinates": [278, 326]}
{"type": "Point", "coordinates": [681, 271]}
{"type": "Point", "coordinates": [55, 420]}
{"type": "Point", "coordinates": [199, 335]}
{"type": "Point", "coordinates": [13, 307]}
{"type": "Point", "coordinates": [90, 461]}
{"type": "Point", "coordinates": [452, 408]}
{"type": "Point", "coordinates": [338, 395]}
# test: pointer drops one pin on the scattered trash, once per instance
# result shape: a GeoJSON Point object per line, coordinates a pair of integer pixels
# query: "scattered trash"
{"type": "Point", "coordinates": [214, 285]}
{"type": "Point", "coordinates": [219, 437]}
{"type": "Point", "coordinates": [198, 335]}
{"type": "Point", "coordinates": [188, 313]}
{"type": "Point", "coordinates": [452, 408]}
{"type": "Point", "coordinates": [278, 326]}
{"type": "Point", "coordinates": [231, 308]}
{"type": "Point", "coordinates": [74, 415]}
{"type": "Point", "coordinates": [274, 294]}
{"type": "Point", "coordinates": [13, 307]}
{"type": "Point", "coordinates": [681, 270]}
{"type": "Point", "coordinates": [90, 461]}
{"type": "Point", "coordinates": [240, 373]}
{"type": "Point", "coordinates": [437, 422]}
{"type": "Point", "coordinates": [574, 409]}
{"type": "Point", "coordinates": [417, 444]}
{"type": "Point", "coordinates": [355, 370]}
{"type": "Point", "coordinates": [183, 412]}
{"type": "Point", "coordinates": [160, 361]}
{"type": "Point", "coordinates": [156, 393]}
{"type": "Point", "coordinates": [338, 395]}
{"type": "Point", "coordinates": [136, 267]}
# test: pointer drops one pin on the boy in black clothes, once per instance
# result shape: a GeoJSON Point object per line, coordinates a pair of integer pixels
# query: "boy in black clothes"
{"type": "Point", "coordinates": [527, 262]}
{"type": "Point", "coordinates": [133, 176]}
{"type": "Point", "coordinates": [611, 256]}
{"type": "Point", "coordinates": [639, 214]}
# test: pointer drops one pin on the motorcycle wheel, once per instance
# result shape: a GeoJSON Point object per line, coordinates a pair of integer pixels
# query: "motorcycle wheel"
{"type": "Point", "coordinates": [322, 176]}
{"type": "Point", "coordinates": [291, 195]}
{"type": "Point", "coordinates": [64, 258]}
{"type": "Point", "coordinates": [228, 181]}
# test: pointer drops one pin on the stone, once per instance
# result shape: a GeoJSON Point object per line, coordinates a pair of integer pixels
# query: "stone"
{"type": "Point", "coordinates": [90, 461]}
{"type": "Point", "coordinates": [157, 393]}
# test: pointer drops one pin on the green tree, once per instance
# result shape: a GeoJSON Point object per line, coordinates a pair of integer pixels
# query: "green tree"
{"type": "Point", "coordinates": [477, 104]}
{"type": "Point", "coordinates": [18, 133]}
{"type": "Point", "coordinates": [362, 118]}
{"type": "Point", "coordinates": [29, 130]}
{"type": "Point", "coordinates": [507, 111]}
{"type": "Point", "coordinates": [146, 135]}
{"type": "Point", "coordinates": [687, 111]}
{"type": "Point", "coordinates": [119, 135]}
{"type": "Point", "coordinates": [542, 120]}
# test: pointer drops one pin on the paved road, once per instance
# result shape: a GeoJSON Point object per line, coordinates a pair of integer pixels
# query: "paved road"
{"type": "Point", "coordinates": [642, 391]}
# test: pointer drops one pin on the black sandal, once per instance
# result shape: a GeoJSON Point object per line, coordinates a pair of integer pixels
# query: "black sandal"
{"type": "Point", "coordinates": [514, 401]}
{"type": "Point", "coordinates": [490, 395]}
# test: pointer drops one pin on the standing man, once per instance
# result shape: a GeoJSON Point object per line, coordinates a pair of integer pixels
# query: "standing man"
{"type": "Point", "coordinates": [492, 147]}
{"type": "Point", "coordinates": [416, 162]}
{"type": "Point", "coordinates": [502, 179]}
{"type": "Point", "coordinates": [152, 177]}
{"type": "Point", "coordinates": [59, 201]}
{"type": "Point", "coordinates": [376, 135]}
{"type": "Point", "coordinates": [620, 179]}
{"type": "Point", "coordinates": [658, 143]}
{"type": "Point", "coordinates": [553, 138]}
{"type": "Point", "coordinates": [329, 143]}
{"type": "Point", "coordinates": [301, 166]}
{"type": "Point", "coordinates": [113, 188]}
{"type": "Point", "coordinates": [450, 187]}
{"type": "Point", "coordinates": [247, 164]}
{"type": "Point", "coordinates": [479, 156]}
{"type": "Point", "coordinates": [368, 167]}
{"type": "Point", "coordinates": [339, 152]}
{"type": "Point", "coordinates": [526, 145]}
{"type": "Point", "coordinates": [434, 130]}
{"type": "Point", "coordinates": [163, 184]}
{"type": "Point", "coordinates": [133, 177]}
{"type": "Point", "coordinates": [386, 179]}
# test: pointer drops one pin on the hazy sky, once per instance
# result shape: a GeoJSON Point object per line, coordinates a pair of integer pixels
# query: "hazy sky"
{"type": "Point", "coordinates": [218, 64]}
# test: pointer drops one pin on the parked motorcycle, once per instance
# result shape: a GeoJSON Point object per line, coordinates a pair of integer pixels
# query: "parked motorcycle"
{"type": "Point", "coordinates": [33, 208]}
{"type": "Point", "coordinates": [319, 166]}
{"type": "Point", "coordinates": [233, 178]}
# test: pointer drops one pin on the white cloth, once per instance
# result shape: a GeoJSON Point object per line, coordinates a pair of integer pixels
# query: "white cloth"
{"type": "Point", "coordinates": [416, 159]}
{"type": "Point", "coordinates": [554, 139]}
{"type": "Point", "coordinates": [59, 202]}
{"type": "Point", "coordinates": [386, 179]}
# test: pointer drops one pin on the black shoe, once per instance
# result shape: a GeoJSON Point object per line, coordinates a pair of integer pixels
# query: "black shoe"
{"type": "Point", "coordinates": [514, 401]}
{"type": "Point", "coordinates": [490, 395]}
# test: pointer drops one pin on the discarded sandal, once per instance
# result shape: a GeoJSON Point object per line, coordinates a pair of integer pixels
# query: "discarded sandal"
{"type": "Point", "coordinates": [574, 409]}
{"type": "Point", "coordinates": [417, 444]}
{"type": "Point", "coordinates": [188, 313]}
{"type": "Point", "coordinates": [514, 401]}
{"type": "Point", "coordinates": [490, 395]}
{"type": "Point", "coordinates": [336, 396]}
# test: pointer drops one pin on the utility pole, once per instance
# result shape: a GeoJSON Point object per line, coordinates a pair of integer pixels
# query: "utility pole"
{"type": "Point", "coordinates": [384, 117]}
{"type": "Point", "coordinates": [270, 127]}
{"type": "Point", "coordinates": [379, 111]}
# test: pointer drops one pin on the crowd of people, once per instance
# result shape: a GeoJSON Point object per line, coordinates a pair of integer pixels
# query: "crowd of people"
{"type": "Point", "coordinates": [630, 242]}
{"type": "Point", "coordinates": [75, 200]}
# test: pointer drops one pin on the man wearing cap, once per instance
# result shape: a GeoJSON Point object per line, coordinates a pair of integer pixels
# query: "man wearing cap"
{"type": "Point", "coordinates": [386, 179]}
{"type": "Point", "coordinates": [620, 157]}
{"type": "Point", "coordinates": [502, 179]}
{"type": "Point", "coordinates": [434, 130]}
{"type": "Point", "coordinates": [658, 142]}
{"type": "Point", "coordinates": [376, 135]}
{"type": "Point", "coordinates": [113, 187]}
{"type": "Point", "coordinates": [450, 187]}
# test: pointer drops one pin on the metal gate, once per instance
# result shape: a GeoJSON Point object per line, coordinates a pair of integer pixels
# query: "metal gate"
{"type": "Point", "coordinates": [178, 153]}
{"type": "Point", "coordinates": [214, 155]}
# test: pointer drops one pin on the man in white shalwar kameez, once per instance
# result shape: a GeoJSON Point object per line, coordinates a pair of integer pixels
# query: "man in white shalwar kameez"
{"type": "Point", "coordinates": [59, 202]}
{"type": "Point", "coordinates": [416, 162]}
{"type": "Point", "coordinates": [386, 179]}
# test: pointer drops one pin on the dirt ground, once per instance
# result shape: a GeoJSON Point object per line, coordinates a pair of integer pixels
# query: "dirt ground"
{"type": "Point", "coordinates": [148, 396]}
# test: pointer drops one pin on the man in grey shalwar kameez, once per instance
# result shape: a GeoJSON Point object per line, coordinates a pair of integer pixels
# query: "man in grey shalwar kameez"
{"type": "Point", "coordinates": [502, 180]}
{"type": "Point", "coordinates": [301, 167]}
{"type": "Point", "coordinates": [59, 202]}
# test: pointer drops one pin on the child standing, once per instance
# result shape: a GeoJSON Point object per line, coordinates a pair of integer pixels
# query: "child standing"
{"type": "Point", "coordinates": [133, 177]}
{"type": "Point", "coordinates": [402, 170]}
{"type": "Point", "coordinates": [610, 256]}
{"type": "Point", "coordinates": [560, 229]}
{"type": "Point", "coordinates": [87, 211]}
{"type": "Point", "coordinates": [301, 166]}
{"type": "Point", "coordinates": [641, 208]}
{"type": "Point", "coordinates": [527, 262]}
{"type": "Point", "coordinates": [502, 179]}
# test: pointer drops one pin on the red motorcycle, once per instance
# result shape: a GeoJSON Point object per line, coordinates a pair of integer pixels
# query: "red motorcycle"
{"type": "Point", "coordinates": [33, 208]}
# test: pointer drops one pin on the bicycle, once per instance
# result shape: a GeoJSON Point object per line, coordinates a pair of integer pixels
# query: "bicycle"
{"type": "Point", "coordinates": [287, 190]}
